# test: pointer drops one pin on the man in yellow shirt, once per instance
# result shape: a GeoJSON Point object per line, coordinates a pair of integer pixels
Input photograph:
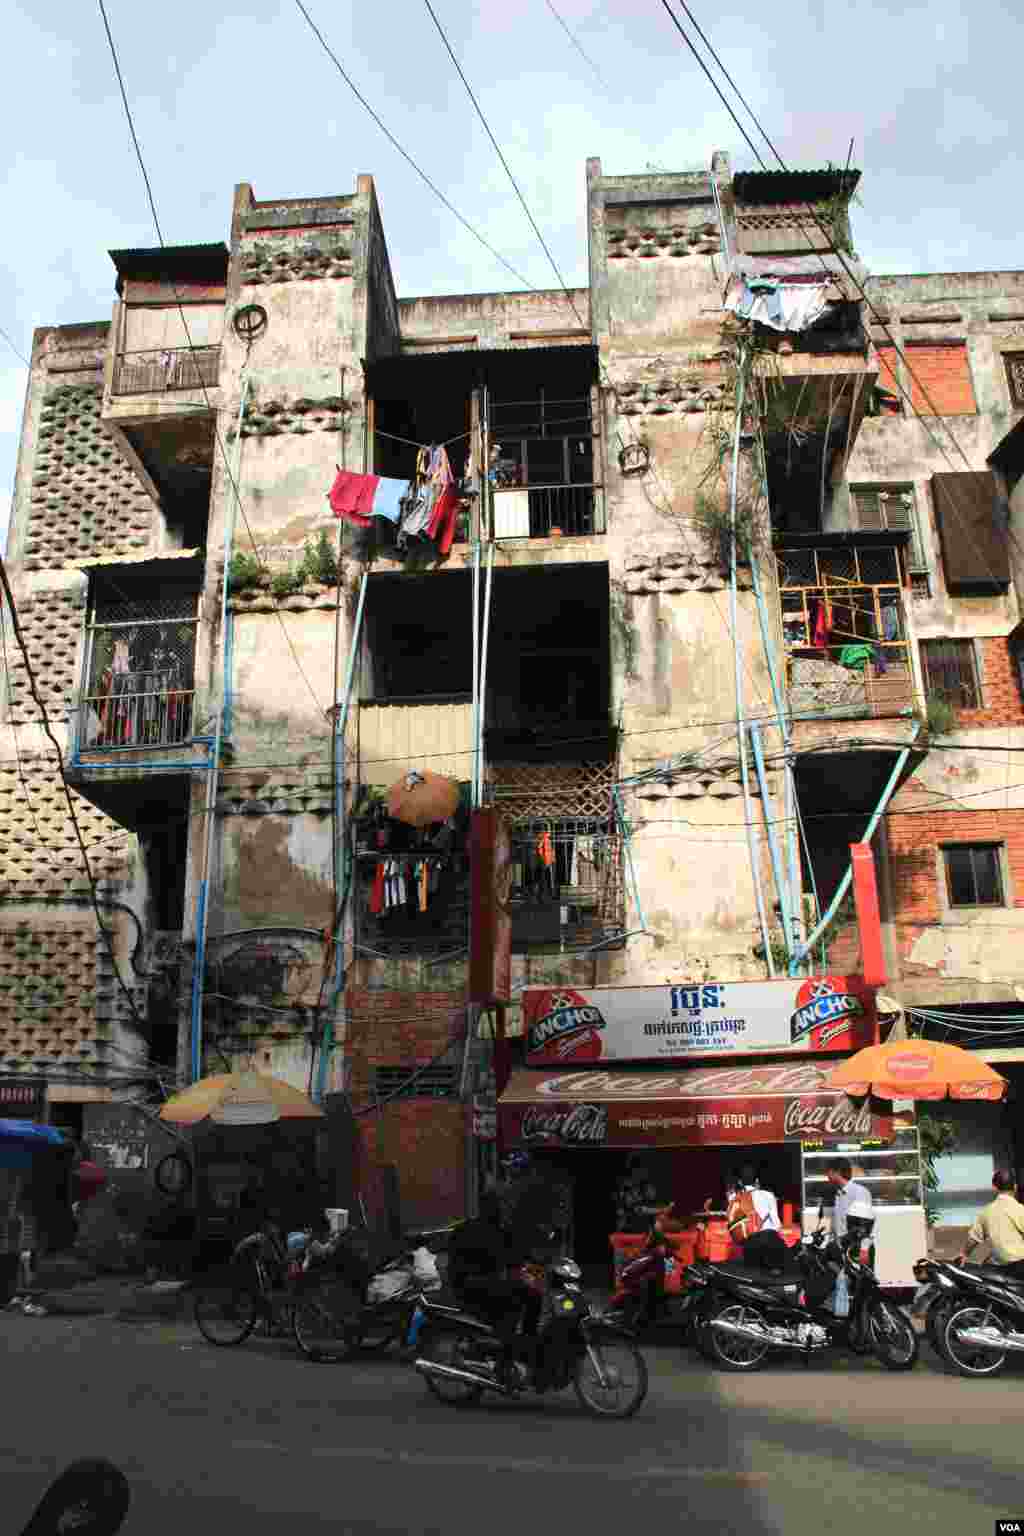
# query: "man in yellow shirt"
{"type": "Point", "coordinates": [1001, 1225]}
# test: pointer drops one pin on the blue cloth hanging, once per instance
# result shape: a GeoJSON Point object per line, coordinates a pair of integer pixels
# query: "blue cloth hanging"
{"type": "Point", "coordinates": [30, 1133]}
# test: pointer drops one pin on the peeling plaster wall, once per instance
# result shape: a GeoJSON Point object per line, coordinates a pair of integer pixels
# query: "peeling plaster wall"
{"type": "Point", "coordinates": [275, 870]}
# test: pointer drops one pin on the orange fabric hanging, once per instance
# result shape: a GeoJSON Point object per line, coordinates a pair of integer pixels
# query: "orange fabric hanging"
{"type": "Point", "coordinates": [546, 849]}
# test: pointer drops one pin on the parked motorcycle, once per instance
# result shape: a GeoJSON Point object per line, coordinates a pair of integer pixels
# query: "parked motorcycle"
{"type": "Point", "coordinates": [346, 1304]}
{"type": "Point", "coordinates": [985, 1320]}
{"type": "Point", "coordinates": [461, 1356]}
{"type": "Point", "coordinates": [937, 1296]}
{"type": "Point", "coordinates": [753, 1317]}
{"type": "Point", "coordinates": [641, 1298]}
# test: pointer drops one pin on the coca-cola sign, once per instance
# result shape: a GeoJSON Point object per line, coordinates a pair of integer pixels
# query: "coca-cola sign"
{"type": "Point", "coordinates": [807, 1121]}
{"type": "Point", "coordinates": [573, 1125]}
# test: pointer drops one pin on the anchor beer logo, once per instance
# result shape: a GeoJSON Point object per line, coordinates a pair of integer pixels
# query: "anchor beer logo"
{"type": "Point", "coordinates": [576, 1125]}
{"type": "Point", "coordinates": [820, 1004]}
{"type": "Point", "coordinates": [564, 1026]}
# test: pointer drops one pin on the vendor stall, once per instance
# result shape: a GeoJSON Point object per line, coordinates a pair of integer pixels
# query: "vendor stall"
{"type": "Point", "coordinates": [680, 1135]}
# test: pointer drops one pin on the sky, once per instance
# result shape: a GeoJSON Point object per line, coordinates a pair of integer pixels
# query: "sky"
{"type": "Point", "coordinates": [223, 94]}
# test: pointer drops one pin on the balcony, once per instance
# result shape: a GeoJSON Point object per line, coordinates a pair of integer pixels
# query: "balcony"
{"type": "Point", "coordinates": [548, 511]}
{"type": "Point", "coordinates": [845, 640]}
{"type": "Point", "coordinates": [157, 371]}
{"type": "Point", "coordinates": [140, 671]}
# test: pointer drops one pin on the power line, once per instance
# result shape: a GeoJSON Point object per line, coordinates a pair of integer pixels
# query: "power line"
{"type": "Point", "coordinates": [192, 349]}
{"type": "Point", "coordinates": [45, 718]}
{"type": "Point", "coordinates": [17, 352]}
{"type": "Point", "coordinates": [574, 40]}
{"type": "Point", "coordinates": [504, 163]}
{"type": "Point", "coordinates": [878, 318]}
{"type": "Point", "coordinates": [405, 154]}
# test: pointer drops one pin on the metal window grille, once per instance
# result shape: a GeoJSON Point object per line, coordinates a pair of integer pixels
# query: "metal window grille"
{"type": "Point", "coordinates": [544, 472]}
{"type": "Point", "coordinates": [950, 672]}
{"type": "Point", "coordinates": [141, 675]}
{"type": "Point", "coordinates": [974, 876]}
{"type": "Point", "coordinates": [891, 506]}
{"type": "Point", "coordinates": [410, 1082]}
{"type": "Point", "coordinates": [1015, 377]}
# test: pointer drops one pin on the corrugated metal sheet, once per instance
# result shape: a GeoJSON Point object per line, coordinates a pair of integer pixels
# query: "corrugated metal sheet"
{"type": "Point", "coordinates": [89, 561]}
{"type": "Point", "coordinates": [393, 738]}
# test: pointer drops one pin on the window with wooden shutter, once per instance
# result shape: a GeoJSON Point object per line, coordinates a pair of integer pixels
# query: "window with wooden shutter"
{"type": "Point", "coordinates": [891, 506]}
{"type": "Point", "coordinates": [973, 529]}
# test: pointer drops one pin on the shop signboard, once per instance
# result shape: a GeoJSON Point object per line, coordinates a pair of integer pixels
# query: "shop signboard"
{"type": "Point", "coordinates": [791, 1016]}
{"type": "Point", "coordinates": [721, 1107]}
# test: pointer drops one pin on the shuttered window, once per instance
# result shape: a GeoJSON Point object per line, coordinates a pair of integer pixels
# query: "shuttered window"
{"type": "Point", "coordinates": [972, 520]}
{"type": "Point", "coordinates": [950, 672]}
{"type": "Point", "coordinates": [412, 1082]}
{"type": "Point", "coordinates": [891, 506]}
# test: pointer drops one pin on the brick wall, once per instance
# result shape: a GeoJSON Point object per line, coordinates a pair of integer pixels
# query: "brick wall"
{"type": "Point", "coordinates": [1000, 688]}
{"type": "Point", "coordinates": [945, 373]}
{"type": "Point", "coordinates": [425, 1139]}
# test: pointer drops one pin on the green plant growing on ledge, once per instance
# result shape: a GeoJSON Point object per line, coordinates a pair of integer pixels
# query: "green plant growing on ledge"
{"type": "Point", "coordinates": [244, 571]}
{"type": "Point", "coordinates": [940, 715]}
{"type": "Point", "coordinates": [287, 583]}
{"type": "Point", "coordinates": [320, 562]}
{"type": "Point", "coordinates": [712, 519]}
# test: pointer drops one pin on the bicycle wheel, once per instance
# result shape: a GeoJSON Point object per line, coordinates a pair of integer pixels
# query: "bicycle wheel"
{"type": "Point", "coordinates": [225, 1314]}
{"type": "Point", "coordinates": [325, 1322]}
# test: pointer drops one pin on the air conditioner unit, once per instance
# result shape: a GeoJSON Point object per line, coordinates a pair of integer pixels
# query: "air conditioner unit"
{"type": "Point", "coordinates": [512, 515]}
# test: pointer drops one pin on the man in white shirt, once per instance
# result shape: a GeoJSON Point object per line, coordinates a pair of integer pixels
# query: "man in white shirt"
{"type": "Point", "coordinates": [840, 1175]}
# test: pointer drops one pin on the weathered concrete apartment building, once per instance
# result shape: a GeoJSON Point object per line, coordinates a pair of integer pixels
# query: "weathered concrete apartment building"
{"type": "Point", "coordinates": [575, 653]}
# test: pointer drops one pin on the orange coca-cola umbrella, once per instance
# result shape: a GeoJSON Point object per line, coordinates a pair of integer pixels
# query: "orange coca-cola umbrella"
{"type": "Point", "coordinates": [918, 1069]}
{"type": "Point", "coordinates": [418, 799]}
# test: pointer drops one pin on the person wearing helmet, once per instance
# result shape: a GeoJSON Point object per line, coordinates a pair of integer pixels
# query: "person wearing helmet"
{"type": "Point", "coordinates": [860, 1224]}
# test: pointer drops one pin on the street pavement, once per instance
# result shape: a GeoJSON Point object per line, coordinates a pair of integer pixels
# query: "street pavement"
{"type": "Point", "coordinates": [258, 1440]}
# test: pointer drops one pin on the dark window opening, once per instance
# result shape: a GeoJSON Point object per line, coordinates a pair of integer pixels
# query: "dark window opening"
{"type": "Point", "coordinates": [974, 876]}
{"type": "Point", "coordinates": [950, 672]}
{"type": "Point", "coordinates": [566, 888]}
{"type": "Point", "coordinates": [541, 430]}
{"type": "Point", "coordinates": [1014, 362]}
{"type": "Point", "coordinates": [416, 1082]}
{"type": "Point", "coordinates": [419, 637]}
{"type": "Point", "coordinates": [164, 843]}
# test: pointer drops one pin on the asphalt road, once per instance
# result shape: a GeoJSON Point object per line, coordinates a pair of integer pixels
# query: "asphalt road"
{"type": "Point", "coordinates": [257, 1440]}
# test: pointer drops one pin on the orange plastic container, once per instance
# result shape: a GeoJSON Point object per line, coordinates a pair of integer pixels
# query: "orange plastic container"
{"type": "Point", "coordinates": [790, 1236]}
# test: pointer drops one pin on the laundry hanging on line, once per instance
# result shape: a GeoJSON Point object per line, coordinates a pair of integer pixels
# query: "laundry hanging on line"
{"type": "Point", "coordinates": [361, 498]}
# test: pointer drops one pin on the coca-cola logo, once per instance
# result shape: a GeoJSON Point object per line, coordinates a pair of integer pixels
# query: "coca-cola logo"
{"type": "Point", "coordinates": [578, 1125]}
{"type": "Point", "coordinates": [821, 1000]}
{"type": "Point", "coordinates": [908, 1066]}
{"type": "Point", "coordinates": [840, 1118]}
{"type": "Point", "coordinates": [726, 1082]}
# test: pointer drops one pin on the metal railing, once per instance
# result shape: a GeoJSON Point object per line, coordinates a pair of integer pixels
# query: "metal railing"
{"type": "Point", "coordinates": [538, 512]}
{"type": "Point", "coordinates": [846, 649]}
{"type": "Point", "coordinates": [126, 718]}
{"type": "Point", "coordinates": [158, 370]}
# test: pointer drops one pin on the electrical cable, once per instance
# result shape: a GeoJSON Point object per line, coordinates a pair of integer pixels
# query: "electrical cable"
{"type": "Point", "coordinates": [192, 349]}
{"type": "Point", "coordinates": [574, 40]}
{"type": "Point", "coordinates": [17, 352]}
{"type": "Point", "coordinates": [404, 153]}
{"type": "Point", "coordinates": [878, 318]}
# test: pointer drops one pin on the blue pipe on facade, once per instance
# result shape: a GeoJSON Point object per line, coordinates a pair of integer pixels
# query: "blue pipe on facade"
{"type": "Point", "coordinates": [229, 668]}
{"type": "Point", "coordinates": [773, 842]}
{"type": "Point", "coordinates": [197, 991]}
{"type": "Point", "coordinates": [869, 831]}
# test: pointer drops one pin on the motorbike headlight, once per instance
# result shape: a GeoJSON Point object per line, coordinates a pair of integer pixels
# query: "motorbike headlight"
{"type": "Point", "coordinates": [566, 1304]}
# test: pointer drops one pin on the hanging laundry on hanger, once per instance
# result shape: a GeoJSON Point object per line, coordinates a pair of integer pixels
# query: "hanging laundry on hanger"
{"type": "Point", "coordinates": [377, 891]}
{"type": "Point", "coordinates": [819, 625]}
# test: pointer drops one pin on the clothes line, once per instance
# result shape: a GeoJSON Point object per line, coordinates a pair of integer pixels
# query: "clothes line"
{"type": "Point", "coordinates": [411, 443]}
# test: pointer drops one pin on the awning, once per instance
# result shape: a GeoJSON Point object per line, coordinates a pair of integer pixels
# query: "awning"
{"type": "Point", "coordinates": [91, 562]}
{"type": "Point", "coordinates": [702, 1107]}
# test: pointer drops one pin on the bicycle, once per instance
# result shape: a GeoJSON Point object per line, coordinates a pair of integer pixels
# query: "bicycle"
{"type": "Point", "coordinates": [257, 1288]}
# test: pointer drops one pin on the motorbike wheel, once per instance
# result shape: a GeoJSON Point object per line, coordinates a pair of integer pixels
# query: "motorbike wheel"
{"type": "Point", "coordinates": [894, 1337]}
{"type": "Point", "coordinates": [225, 1314]}
{"type": "Point", "coordinates": [727, 1350]}
{"type": "Point", "coordinates": [935, 1326]}
{"type": "Point", "coordinates": [965, 1358]}
{"type": "Point", "coordinates": [323, 1322]}
{"type": "Point", "coordinates": [454, 1349]}
{"type": "Point", "coordinates": [625, 1378]}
